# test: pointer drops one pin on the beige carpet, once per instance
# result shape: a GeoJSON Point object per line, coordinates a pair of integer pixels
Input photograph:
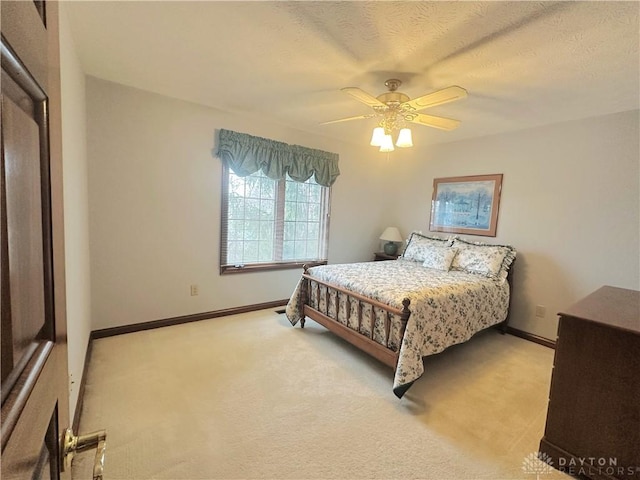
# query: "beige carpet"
{"type": "Point", "coordinates": [249, 396]}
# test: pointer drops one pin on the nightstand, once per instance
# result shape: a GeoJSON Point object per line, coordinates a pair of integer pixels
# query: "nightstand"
{"type": "Point", "coordinates": [379, 256]}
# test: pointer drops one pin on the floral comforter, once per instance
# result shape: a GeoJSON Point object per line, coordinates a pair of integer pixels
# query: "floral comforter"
{"type": "Point", "coordinates": [447, 308]}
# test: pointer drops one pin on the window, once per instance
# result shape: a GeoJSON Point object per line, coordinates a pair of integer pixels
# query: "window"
{"type": "Point", "coordinates": [268, 224]}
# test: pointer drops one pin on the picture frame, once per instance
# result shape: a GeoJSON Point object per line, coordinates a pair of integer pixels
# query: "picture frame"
{"type": "Point", "coordinates": [467, 205]}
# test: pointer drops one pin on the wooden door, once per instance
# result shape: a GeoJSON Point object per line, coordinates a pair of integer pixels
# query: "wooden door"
{"type": "Point", "coordinates": [35, 401]}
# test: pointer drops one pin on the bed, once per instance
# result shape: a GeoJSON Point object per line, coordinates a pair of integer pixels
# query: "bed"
{"type": "Point", "coordinates": [439, 293]}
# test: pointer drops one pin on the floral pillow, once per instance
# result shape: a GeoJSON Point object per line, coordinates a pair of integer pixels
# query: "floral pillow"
{"type": "Point", "coordinates": [482, 258]}
{"type": "Point", "coordinates": [439, 257]}
{"type": "Point", "coordinates": [418, 246]}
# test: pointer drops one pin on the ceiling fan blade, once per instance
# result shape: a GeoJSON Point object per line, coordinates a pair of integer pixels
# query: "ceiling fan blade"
{"type": "Point", "coordinates": [359, 117]}
{"type": "Point", "coordinates": [436, 122]}
{"type": "Point", "coordinates": [363, 96]}
{"type": "Point", "coordinates": [445, 95]}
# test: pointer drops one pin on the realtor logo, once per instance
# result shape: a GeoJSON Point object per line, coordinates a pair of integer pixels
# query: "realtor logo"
{"type": "Point", "coordinates": [537, 463]}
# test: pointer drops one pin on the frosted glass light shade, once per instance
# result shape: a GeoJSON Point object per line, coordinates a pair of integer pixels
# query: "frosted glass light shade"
{"type": "Point", "coordinates": [387, 144]}
{"type": "Point", "coordinates": [404, 138]}
{"type": "Point", "coordinates": [377, 137]}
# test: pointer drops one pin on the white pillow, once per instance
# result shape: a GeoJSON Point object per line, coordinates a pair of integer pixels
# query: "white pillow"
{"type": "Point", "coordinates": [482, 258]}
{"type": "Point", "coordinates": [439, 257]}
{"type": "Point", "coordinates": [418, 245]}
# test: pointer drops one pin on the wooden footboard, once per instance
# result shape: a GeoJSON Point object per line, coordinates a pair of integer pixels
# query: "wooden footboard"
{"type": "Point", "coordinates": [386, 353]}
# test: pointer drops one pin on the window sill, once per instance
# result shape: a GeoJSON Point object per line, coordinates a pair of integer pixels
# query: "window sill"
{"type": "Point", "coordinates": [263, 267]}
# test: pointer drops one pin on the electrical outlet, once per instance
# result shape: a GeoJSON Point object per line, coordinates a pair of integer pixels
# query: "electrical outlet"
{"type": "Point", "coordinates": [541, 311]}
{"type": "Point", "coordinates": [194, 290]}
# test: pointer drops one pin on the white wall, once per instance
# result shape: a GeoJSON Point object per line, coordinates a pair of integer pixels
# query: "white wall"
{"type": "Point", "coordinates": [155, 207]}
{"type": "Point", "coordinates": [570, 205]}
{"type": "Point", "coordinates": [76, 201]}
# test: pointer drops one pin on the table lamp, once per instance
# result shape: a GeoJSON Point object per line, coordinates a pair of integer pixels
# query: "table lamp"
{"type": "Point", "coordinates": [391, 235]}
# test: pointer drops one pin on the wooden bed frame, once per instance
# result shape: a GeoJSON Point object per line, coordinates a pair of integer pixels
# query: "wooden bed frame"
{"type": "Point", "coordinates": [384, 353]}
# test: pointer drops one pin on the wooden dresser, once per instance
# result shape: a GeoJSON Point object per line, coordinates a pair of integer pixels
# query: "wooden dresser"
{"type": "Point", "coordinates": [593, 419]}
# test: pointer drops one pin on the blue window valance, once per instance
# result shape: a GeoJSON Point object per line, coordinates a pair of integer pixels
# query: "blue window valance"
{"type": "Point", "coordinates": [246, 154]}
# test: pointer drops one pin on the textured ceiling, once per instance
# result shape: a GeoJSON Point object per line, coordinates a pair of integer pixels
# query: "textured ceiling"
{"type": "Point", "coordinates": [523, 64]}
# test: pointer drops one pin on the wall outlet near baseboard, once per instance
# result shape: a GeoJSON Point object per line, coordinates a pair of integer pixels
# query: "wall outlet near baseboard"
{"type": "Point", "coordinates": [194, 290]}
{"type": "Point", "coordinates": [541, 311]}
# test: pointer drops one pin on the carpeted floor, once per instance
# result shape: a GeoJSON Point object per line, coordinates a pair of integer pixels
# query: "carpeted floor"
{"type": "Point", "coordinates": [250, 397]}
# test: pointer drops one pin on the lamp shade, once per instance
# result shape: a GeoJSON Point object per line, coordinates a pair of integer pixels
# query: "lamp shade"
{"type": "Point", "coordinates": [377, 137]}
{"type": "Point", "coordinates": [404, 138]}
{"type": "Point", "coordinates": [387, 144]}
{"type": "Point", "coordinates": [391, 234]}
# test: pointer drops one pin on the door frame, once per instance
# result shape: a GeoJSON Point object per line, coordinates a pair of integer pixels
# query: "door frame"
{"type": "Point", "coordinates": [44, 377]}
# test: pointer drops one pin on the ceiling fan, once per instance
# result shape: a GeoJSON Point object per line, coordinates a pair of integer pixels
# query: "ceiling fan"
{"type": "Point", "coordinates": [395, 108]}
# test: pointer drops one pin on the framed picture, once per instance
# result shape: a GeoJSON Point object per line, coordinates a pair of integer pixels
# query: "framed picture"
{"type": "Point", "coordinates": [467, 205]}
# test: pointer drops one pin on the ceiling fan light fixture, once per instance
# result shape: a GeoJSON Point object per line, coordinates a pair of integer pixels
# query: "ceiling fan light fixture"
{"type": "Point", "coordinates": [404, 138]}
{"type": "Point", "coordinates": [394, 109]}
{"type": "Point", "coordinates": [377, 137]}
{"type": "Point", "coordinates": [387, 144]}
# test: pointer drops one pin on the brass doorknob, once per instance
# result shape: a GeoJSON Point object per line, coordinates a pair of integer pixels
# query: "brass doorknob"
{"type": "Point", "coordinates": [73, 444]}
